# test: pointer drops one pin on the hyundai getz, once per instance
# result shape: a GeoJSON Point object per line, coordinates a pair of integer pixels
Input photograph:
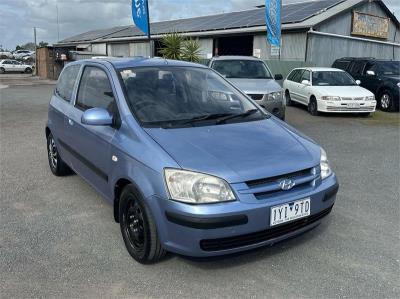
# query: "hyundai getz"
{"type": "Point", "coordinates": [190, 164]}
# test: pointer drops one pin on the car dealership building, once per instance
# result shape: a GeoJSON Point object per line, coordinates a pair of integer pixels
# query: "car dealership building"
{"type": "Point", "coordinates": [315, 32]}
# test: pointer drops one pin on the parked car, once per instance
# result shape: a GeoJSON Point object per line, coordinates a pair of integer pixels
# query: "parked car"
{"type": "Point", "coordinates": [19, 54]}
{"type": "Point", "coordinates": [9, 65]}
{"type": "Point", "coordinates": [190, 163]}
{"type": "Point", "coordinates": [327, 90]}
{"type": "Point", "coordinates": [254, 78]}
{"type": "Point", "coordinates": [5, 54]}
{"type": "Point", "coordinates": [382, 77]}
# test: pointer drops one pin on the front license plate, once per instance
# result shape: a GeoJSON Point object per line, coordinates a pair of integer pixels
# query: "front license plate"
{"type": "Point", "coordinates": [353, 105]}
{"type": "Point", "coordinates": [290, 211]}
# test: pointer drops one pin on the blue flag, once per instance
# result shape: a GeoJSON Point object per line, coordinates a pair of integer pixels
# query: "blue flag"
{"type": "Point", "coordinates": [273, 21]}
{"type": "Point", "coordinates": [140, 15]}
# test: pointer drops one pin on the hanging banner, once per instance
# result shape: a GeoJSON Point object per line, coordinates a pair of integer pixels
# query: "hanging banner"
{"type": "Point", "coordinates": [140, 15]}
{"type": "Point", "coordinates": [273, 21]}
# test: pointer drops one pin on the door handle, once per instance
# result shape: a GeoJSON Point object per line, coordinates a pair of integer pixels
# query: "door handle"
{"type": "Point", "coordinates": [71, 123]}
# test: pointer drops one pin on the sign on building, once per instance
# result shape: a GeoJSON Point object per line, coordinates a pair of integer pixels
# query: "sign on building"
{"type": "Point", "coordinates": [369, 25]}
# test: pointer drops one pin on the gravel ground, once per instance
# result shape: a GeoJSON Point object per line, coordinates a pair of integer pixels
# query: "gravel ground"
{"type": "Point", "coordinates": [58, 237]}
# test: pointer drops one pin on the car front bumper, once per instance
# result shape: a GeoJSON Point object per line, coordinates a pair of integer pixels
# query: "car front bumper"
{"type": "Point", "coordinates": [346, 106]}
{"type": "Point", "coordinates": [223, 228]}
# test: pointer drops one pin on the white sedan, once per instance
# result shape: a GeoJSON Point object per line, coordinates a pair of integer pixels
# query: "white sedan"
{"type": "Point", "coordinates": [327, 90]}
{"type": "Point", "coordinates": [9, 65]}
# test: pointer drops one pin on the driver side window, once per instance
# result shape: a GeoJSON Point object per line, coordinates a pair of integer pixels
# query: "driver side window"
{"type": "Point", "coordinates": [95, 91]}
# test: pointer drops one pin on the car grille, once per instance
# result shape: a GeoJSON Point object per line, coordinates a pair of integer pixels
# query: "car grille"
{"type": "Point", "coordinates": [269, 187]}
{"type": "Point", "coordinates": [353, 99]}
{"type": "Point", "coordinates": [261, 236]}
{"type": "Point", "coordinates": [256, 97]}
{"type": "Point", "coordinates": [361, 108]}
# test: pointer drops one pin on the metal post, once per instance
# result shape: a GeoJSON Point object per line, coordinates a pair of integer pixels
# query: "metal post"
{"type": "Point", "coordinates": [36, 56]}
{"type": "Point", "coordinates": [58, 24]}
{"type": "Point", "coordinates": [151, 43]}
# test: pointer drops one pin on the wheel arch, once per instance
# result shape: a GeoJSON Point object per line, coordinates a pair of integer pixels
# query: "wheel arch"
{"type": "Point", "coordinates": [47, 131]}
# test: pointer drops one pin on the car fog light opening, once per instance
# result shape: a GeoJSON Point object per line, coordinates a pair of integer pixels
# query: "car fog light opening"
{"type": "Point", "coordinates": [324, 165]}
{"type": "Point", "coordinates": [197, 188]}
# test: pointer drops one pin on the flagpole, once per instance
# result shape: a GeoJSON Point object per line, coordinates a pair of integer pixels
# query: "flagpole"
{"type": "Point", "coordinates": [149, 31]}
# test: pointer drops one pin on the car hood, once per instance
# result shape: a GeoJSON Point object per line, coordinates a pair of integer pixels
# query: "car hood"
{"type": "Point", "coordinates": [241, 151]}
{"type": "Point", "coordinates": [343, 91]}
{"type": "Point", "coordinates": [255, 86]}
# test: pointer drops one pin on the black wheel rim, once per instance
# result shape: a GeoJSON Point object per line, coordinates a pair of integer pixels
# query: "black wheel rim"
{"type": "Point", "coordinates": [53, 155]}
{"type": "Point", "coordinates": [134, 224]}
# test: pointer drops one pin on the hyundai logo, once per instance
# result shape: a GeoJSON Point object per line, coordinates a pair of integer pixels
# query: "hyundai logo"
{"type": "Point", "coordinates": [286, 184]}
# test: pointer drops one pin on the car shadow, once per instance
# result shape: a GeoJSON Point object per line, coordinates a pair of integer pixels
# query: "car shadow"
{"type": "Point", "coordinates": [254, 255]}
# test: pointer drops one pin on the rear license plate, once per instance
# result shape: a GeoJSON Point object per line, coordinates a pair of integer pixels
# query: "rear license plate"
{"type": "Point", "coordinates": [290, 211]}
{"type": "Point", "coordinates": [353, 105]}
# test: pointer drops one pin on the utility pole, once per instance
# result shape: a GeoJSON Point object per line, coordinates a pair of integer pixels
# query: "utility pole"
{"type": "Point", "coordinates": [58, 24]}
{"type": "Point", "coordinates": [36, 56]}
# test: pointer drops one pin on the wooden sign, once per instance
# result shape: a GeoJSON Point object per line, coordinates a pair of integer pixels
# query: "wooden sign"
{"type": "Point", "coordinates": [369, 25]}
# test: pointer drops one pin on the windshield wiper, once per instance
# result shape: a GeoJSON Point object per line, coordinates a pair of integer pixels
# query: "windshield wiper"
{"type": "Point", "coordinates": [239, 115]}
{"type": "Point", "coordinates": [203, 117]}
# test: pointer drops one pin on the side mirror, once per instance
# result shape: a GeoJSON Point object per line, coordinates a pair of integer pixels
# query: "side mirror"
{"type": "Point", "coordinates": [97, 117]}
{"type": "Point", "coordinates": [358, 82]}
{"type": "Point", "coordinates": [370, 73]}
{"type": "Point", "coordinates": [306, 82]}
{"type": "Point", "coordinates": [278, 77]}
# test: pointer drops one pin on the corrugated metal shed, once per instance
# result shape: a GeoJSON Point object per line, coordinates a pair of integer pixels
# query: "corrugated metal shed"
{"type": "Point", "coordinates": [291, 13]}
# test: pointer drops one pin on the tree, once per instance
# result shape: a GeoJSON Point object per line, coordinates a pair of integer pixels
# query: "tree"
{"type": "Point", "coordinates": [43, 44]}
{"type": "Point", "coordinates": [191, 50]}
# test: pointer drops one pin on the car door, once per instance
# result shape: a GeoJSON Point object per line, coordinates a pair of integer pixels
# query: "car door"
{"type": "Point", "coordinates": [303, 89]}
{"type": "Point", "coordinates": [7, 65]}
{"type": "Point", "coordinates": [18, 67]}
{"type": "Point", "coordinates": [90, 146]}
{"type": "Point", "coordinates": [368, 81]}
{"type": "Point", "coordinates": [295, 86]}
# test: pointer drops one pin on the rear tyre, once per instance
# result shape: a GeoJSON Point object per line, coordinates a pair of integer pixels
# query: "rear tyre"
{"type": "Point", "coordinates": [28, 70]}
{"type": "Point", "coordinates": [2, 70]}
{"type": "Point", "coordinates": [57, 165]}
{"type": "Point", "coordinates": [386, 101]}
{"type": "Point", "coordinates": [313, 107]}
{"type": "Point", "coordinates": [138, 228]}
{"type": "Point", "coordinates": [288, 98]}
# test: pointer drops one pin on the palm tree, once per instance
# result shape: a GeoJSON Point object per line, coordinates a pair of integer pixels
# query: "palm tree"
{"type": "Point", "coordinates": [172, 46]}
{"type": "Point", "coordinates": [191, 50]}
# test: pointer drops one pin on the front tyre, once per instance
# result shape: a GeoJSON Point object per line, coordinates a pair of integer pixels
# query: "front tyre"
{"type": "Point", "coordinates": [138, 228]}
{"type": "Point", "coordinates": [57, 165]}
{"type": "Point", "coordinates": [288, 98]}
{"type": "Point", "coordinates": [313, 107]}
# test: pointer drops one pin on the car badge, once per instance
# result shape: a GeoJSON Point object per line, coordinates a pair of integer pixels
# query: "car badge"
{"type": "Point", "coordinates": [287, 184]}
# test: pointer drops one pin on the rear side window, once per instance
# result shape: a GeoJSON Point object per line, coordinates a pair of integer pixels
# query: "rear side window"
{"type": "Point", "coordinates": [297, 76]}
{"type": "Point", "coordinates": [66, 82]}
{"type": "Point", "coordinates": [291, 75]}
{"type": "Point", "coordinates": [341, 64]}
{"type": "Point", "coordinates": [357, 67]}
{"type": "Point", "coordinates": [95, 90]}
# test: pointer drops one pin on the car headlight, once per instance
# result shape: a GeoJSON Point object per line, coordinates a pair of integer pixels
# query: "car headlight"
{"type": "Point", "coordinates": [274, 96]}
{"type": "Point", "coordinates": [398, 84]}
{"type": "Point", "coordinates": [370, 98]}
{"type": "Point", "coordinates": [324, 165]}
{"type": "Point", "coordinates": [330, 98]}
{"type": "Point", "coordinates": [197, 188]}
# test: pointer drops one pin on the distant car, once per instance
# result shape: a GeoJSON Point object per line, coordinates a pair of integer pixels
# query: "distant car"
{"type": "Point", "coordinates": [5, 54]}
{"type": "Point", "coordinates": [254, 78]}
{"type": "Point", "coordinates": [382, 77]}
{"type": "Point", "coordinates": [9, 65]}
{"type": "Point", "coordinates": [22, 53]}
{"type": "Point", "coordinates": [327, 90]}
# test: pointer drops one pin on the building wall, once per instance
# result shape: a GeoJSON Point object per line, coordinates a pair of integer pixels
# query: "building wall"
{"type": "Point", "coordinates": [206, 47]}
{"type": "Point", "coordinates": [139, 49]}
{"type": "Point", "coordinates": [118, 50]}
{"type": "Point", "coordinates": [99, 48]}
{"type": "Point", "coordinates": [292, 46]}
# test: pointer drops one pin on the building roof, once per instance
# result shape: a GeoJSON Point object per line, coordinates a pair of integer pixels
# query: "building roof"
{"type": "Point", "coordinates": [293, 16]}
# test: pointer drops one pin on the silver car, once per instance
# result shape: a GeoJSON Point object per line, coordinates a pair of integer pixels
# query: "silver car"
{"type": "Point", "coordinates": [254, 78]}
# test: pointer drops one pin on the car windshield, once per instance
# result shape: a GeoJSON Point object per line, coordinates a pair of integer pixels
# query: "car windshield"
{"type": "Point", "coordinates": [332, 78]}
{"type": "Point", "coordinates": [389, 68]}
{"type": "Point", "coordinates": [246, 69]}
{"type": "Point", "coordinates": [184, 96]}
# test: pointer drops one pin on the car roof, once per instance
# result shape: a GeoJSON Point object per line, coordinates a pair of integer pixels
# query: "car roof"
{"type": "Point", "coordinates": [232, 57]}
{"type": "Point", "coordinates": [139, 61]}
{"type": "Point", "coordinates": [320, 69]}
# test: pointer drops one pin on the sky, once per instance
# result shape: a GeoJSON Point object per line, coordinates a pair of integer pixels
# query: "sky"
{"type": "Point", "coordinates": [18, 17]}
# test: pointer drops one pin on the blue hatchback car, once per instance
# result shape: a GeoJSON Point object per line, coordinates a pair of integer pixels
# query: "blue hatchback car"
{"type": "Point", "coordinates": [189, 162]}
